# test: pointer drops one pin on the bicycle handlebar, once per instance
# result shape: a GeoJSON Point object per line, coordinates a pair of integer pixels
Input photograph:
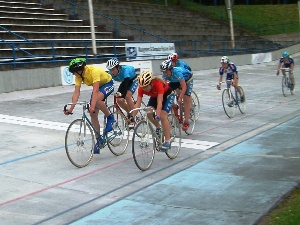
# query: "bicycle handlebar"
{"type": "Point", "coordinates": [146, 109]}
{"type": "Point", "coordinates": [77, 103]}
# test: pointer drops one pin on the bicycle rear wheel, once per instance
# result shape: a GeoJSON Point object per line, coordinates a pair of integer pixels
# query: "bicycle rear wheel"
{"type": "Point", "coordinates": [117, 141]}
{"type": "Point", "coordinates": [143, 145]}
{"type": "Point", "coordinates": [195, 105]}
{"type": "Point", "coordinates": [79, 143]}
{"type": "Point", "coordinates": [173, 152]}
{"type": "Point", "coordinates": [284, 84]}
{"type": "Point", "coordinates": [228, 103]}
{"type": "Point", "coordinates": [242, 105]}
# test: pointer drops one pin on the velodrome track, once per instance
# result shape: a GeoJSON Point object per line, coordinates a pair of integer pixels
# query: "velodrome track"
{"type": "Point", "coordinates": [40, 186]}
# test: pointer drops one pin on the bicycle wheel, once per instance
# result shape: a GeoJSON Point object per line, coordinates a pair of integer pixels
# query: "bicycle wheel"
{"type": "Point", "coordinates": [117, 141]}
{"type": "Point", "coordinates": [79, 143]}
{"type": "Point", "coordinates": [175, 137]}
{"type": "Point", "coordinates": [242, 105]}
{"type": "Point", "coordinates": [143, 145]}
{"type": "Point", "coordinates": [195, 105]}
{"type": "Point", "coordinates": [228, 103]}
{"type": "Point", "coordinates": [285, 87]}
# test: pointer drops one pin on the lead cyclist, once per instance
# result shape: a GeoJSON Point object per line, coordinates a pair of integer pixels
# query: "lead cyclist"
{"type": "Point", "coordinates": [286, 61]}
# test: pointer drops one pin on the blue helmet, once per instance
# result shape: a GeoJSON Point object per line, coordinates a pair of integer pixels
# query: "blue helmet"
{"type": "Point", "coordinates": [166, 65]}
{"type": "Point", "coordinates": [285, 54]}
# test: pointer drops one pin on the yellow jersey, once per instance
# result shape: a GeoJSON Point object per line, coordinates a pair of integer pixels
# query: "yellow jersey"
{"type": "Point", "coordinates": [91, 75]}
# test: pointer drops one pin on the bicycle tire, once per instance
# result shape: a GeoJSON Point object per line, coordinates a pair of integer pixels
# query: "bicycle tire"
{"type": "Point", "coordinates": [242, 105]}
{"type": "Point", "coordinates": [143, 145]}
{"type": "Point", "coordinates": [195, 105]}
{"type": "Point", "coordinates": [117, 141]}
{"type": "Point", "coordinates": [173, 152]}
{"type": "Point", "coordinates": [79, 143]}
{"type": "Point", "coordinates": [228, 103]}
{"type": "Point", "coordinates": [284, 84]}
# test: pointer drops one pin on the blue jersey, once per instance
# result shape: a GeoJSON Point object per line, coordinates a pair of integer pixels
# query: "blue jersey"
{"type": "Point", "coordinates": [125, 71]}
{"type": "Point", "coordinates": [287, 64]}
{"type": "Point", "coordinates": [229, 70]}
{"type": "Point", "coordinates": [183, 64]}
{"type": "Point", "coordinates": [179, 74]}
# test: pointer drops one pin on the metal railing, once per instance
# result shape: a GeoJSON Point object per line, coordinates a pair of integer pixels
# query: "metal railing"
{"type": "Point", "coordinates": [13, 58]}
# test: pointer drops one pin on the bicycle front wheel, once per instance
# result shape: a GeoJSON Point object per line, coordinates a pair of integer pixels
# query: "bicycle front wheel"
{"type": "Point", "coordinates": [284, 84]}
{"type": "Point", "coordinates": [79, 143]}
{"type": "Point", "coordinates": [117, 141]}
{"type": "Point", "coordinates": [228, 103]}
{"type": "Point", "coordinates": [195, 105]}
{"type": "Point", "coordinates": [143, 145]}
{"type": "Point", "coordinates": [173, 152]}
{"type": "Point", "coordinates": [242, 105]}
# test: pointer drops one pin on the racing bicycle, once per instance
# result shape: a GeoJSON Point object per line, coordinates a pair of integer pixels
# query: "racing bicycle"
{"type": "Point", "coordinates": [286, 83]}
{"type": "Point", "coordinates": [145, 141]}
{"type": "Point", "coordinates": [81, 136]}
{"type": "Point", "coordinates": [231, 99]}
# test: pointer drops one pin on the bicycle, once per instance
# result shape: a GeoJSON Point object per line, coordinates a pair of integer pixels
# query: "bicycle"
{"type": "Point", "coordinates": [286, 84]}
{"type": "Point", "coordinates": [80, 137]}
{"type": "Point", "coordinates": [116, 107]}
{"type": "Point", "coordinates": [178, 110]}
{"type": "Point", "coordinates": [145, 141]}
{"type": "Point", "coordinates": [231, 99]}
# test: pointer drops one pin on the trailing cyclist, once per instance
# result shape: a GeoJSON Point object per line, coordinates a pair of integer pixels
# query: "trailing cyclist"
{"type": "Point", "coordinates": [286, 61]}
{"type": "Point", "coordinates": [103, 86]}
{"type": "Point", "coordinates": [127, 76]}
{"type": "Point", "coordinates": [161, 99]}
{"type": "Point", "coordinates": [231, 72]}
{"type": "Point", "coordinates": [181, 80]}
{"type": "Point", "coordinates": [178, 63]}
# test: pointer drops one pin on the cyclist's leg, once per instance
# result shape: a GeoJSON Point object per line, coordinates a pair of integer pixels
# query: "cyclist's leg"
{"type": "Point", "coordinates": [153, 103]}
{"type": "Point", "coordinates": [168, 100]}
{"type": "Point", "coordinates": [104, 91]}
{"type": "Point", "coordinates": [187, 102]}
{"type": "Point", "coordinates": [292, 79]}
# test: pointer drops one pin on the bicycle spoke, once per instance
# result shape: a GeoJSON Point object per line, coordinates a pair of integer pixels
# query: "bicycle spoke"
{"type": "Point", "coordinates": [175, 137]}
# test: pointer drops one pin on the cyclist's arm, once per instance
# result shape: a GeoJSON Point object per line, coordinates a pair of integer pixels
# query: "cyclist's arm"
{"type": "Point", "coordinates": [182, 92]}
{"type": "Point", "coordinates": [75, 97]}
{"type": "Point", "coordinates": [137, 105]}
{"type": "Point", "coordinates": [292, 67]}
{"type": "Point", "coordinates": [278, 68]}
{"type": "Point", "coordinates": [159, 104]}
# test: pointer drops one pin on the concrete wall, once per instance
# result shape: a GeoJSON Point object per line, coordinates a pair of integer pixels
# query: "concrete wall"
{"type": "Point", "coordinates": [17, 80]}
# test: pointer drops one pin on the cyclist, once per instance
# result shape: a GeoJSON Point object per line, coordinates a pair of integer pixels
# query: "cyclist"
{"type": "Point", "coordinates": [103, 86]}
{"type": "Point", "coordinates": [127, 76]}
{"type": "Point", "coordinates": [178, 63]}
{"type": "Point", "coordinates": [161, 99]}
{"type": "Point", "coordinates": [286, 61]}
{"type": "Point", "coordinates": [231, 74]}
{"type": "Point", "coordinates": [180, 78]}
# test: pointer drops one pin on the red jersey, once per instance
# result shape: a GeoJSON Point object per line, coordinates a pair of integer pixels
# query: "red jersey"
{"type": "Point", "coordinates": [157, 88]}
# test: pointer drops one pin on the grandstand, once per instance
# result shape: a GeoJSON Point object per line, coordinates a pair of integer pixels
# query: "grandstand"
{"type": "Point", "coordinates": [50, 32]}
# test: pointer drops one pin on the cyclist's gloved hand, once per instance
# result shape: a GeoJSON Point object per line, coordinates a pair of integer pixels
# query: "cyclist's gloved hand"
{"type": "Point", "coordinates": [277, 73]}
{"type": "Point", "coordinates": [157, 117]}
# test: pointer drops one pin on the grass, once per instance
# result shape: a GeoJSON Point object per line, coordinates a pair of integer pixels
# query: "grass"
{"type": "Point", "coordinates": [286, 213]}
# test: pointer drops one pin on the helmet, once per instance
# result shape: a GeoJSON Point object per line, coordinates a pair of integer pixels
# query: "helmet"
{"type": "Point", "coordinates": [111, 63]}
{"type": "Point", "coordinates": [285, 54]}
{"type": "Point", "coordinates": [77, 64]}
{"type": "Point", "coordinates": [173, 56]}
{"type": "Point", "coordinates": [224, 59]}
{"type": "Point", "coordinates": [166, 65]}
{"type": "Point", "coordinates": [145, 78]}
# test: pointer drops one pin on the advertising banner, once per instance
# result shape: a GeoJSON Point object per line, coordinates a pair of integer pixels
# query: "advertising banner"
{"type": "Point", "coordinates": [142, 51]}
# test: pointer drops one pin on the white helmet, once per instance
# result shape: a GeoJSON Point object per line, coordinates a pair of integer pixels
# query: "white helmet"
{"type": "Point", "coordinates": [224, 59]}
{"type": "Point", "coordinates": [111, 63]}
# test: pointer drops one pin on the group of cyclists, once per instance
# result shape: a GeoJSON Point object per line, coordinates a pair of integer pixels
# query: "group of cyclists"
{"type": "Point", "coordinates": [176, 76]}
